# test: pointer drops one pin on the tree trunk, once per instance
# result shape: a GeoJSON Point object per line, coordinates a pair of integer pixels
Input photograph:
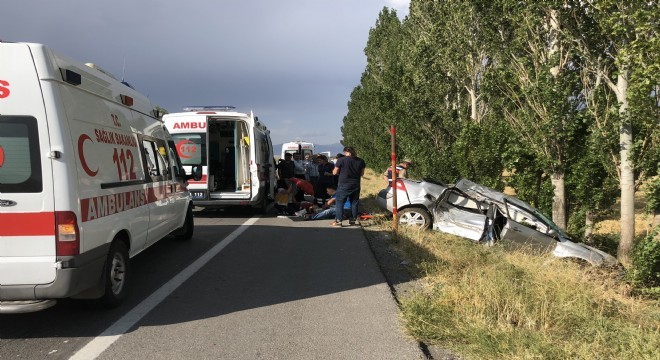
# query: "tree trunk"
{"type": "Point", "coordinates": [557, 179]}
{"type": "Point", "coordinates": [627, 180]}
{"type": "Point", "coordinates": [474, 115]}
{"type": "Point", "coordinates": [559, 199]}
{"type": "Point", "coordinates": [589, 226]}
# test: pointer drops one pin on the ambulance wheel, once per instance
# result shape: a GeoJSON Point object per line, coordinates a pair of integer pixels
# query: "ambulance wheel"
{"type": "Point", "coordinates": [186, 232]}
{"type": "Point", "coordinates": [116, 275]}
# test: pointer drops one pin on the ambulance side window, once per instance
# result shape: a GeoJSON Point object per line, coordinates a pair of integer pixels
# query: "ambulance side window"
{"type": "Point", "coordinates": [155, 159]}
{"type": "Point", "coordinates": [20, 155]}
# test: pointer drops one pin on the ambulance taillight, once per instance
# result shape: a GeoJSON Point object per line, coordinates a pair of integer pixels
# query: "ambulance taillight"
{"type": "Point", "coordinates": [67, 234]}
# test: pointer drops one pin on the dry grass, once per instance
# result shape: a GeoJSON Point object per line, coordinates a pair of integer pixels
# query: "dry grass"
{"type": "Point", "coordinates": [643, 221]}
{"type": "Point", "coordinates": [487, 303]}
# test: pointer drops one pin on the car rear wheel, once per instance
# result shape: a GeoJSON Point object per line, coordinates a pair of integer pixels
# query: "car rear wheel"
{"type": "Point", "coordinates": [415, 216]}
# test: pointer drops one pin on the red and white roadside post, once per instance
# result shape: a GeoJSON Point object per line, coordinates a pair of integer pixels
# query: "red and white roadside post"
{"type": "Point", "coordinates": [395, 215]}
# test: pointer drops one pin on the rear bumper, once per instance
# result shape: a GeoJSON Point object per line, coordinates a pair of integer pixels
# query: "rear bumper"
{"type": "Point", "coordinates": [18, 307]}
{"type": "Point", "coordinates": [84, 272]}
{"type": "Point", "coordinates": [256, 201]}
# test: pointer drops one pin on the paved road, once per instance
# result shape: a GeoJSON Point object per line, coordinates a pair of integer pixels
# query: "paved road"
{"type": "Point", "coordinates": [274, 289]}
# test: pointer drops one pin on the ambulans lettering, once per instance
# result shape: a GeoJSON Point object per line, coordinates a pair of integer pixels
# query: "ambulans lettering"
{"type": "Point", "coordinates": [103, 136]}
{"type": "Point", "coordinates": [4, 89]}
{"type": "Point", "coordinates": [106, 205]}
{"type": "Point", "coordinates": [101, 206]}
{"type": "Point", "coordinates": [109, 137]}
{"type": "Point", "coordinates": [190, 125]}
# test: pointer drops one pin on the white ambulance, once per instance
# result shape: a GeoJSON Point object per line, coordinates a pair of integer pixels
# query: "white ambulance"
{"type": "Point", "coordinates": [297, 147]}
{"type": "Point", "coordinates": [234, 150]}
{"type": "Point", "coordinates": [89, 177]}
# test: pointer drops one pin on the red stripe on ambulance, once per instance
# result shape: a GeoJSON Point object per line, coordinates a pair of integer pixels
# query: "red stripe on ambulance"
{"type": "Point", "coordinates": [203, 180]}
{"type": "Point", "coordinates": [27, 224]}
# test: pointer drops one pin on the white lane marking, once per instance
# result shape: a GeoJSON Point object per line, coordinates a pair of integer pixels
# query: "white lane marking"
{"type": "Point", "coordinates": [100, 343]}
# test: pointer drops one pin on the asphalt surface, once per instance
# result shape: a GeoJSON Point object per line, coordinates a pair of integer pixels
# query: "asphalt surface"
{"type": "Point", "coordinates": [280, 288]}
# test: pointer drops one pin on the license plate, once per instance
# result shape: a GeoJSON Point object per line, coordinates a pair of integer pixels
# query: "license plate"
{"type": "Point", "coordinates": [198, 194]}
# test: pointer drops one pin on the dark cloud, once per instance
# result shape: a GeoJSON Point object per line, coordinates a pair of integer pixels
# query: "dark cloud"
{"type": "Point", "coordinates": [294, 62]}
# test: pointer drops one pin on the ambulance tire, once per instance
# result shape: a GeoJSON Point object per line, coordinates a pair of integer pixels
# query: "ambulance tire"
{"type": "Point", "coordinates": [116, 275]}
{"type": "Point", "coordinates": [186, 231]}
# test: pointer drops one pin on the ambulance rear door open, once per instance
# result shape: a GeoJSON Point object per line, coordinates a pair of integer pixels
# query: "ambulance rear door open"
{"type": "Point", "coordinates": [229, 159]}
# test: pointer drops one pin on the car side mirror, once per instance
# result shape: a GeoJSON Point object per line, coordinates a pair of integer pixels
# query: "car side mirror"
{"type": "Point", "coordinates": [552, 233]}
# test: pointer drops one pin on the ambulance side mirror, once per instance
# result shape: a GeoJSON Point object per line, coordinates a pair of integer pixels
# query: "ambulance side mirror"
{"type": "Point", "coordinates": [196, 173]}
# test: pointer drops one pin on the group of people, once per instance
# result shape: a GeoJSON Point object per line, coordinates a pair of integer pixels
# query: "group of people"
{"type": "Point", "coordinates": [337, 186]}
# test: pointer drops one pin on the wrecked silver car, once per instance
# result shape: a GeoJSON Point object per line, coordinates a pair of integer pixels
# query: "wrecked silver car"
{"type": "Point", "coordinates": [487, 216]}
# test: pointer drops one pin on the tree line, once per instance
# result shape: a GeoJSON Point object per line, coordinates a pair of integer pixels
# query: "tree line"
{"type": "Point", "coordinates": [556, 98]}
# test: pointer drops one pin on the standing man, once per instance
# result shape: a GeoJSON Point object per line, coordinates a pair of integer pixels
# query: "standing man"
{"type": "Point", "coordinates": [286, 167]}
{"type": "Point", "coordinates": [299, 172]}
{"type": "Point", "coordinates": [299, 166]}
{"type": "Point", "coordinates": [350, 169]}
{"type": "Point", "coordinates": [312, 170]}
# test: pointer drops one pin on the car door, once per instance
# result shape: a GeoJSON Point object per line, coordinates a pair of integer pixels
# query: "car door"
{"type": "Point", "coordinates": [178, 187]}
{"type": "Point", "coordinates": [157, 169]}
{"type": "Point", "coordinates": [459, 215]}
{"type": "Point", "coordinates": [523, 229]}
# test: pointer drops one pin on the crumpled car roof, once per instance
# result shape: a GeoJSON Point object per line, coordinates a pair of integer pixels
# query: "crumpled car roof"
{"type": "Point", "coordinates": [482, 193]}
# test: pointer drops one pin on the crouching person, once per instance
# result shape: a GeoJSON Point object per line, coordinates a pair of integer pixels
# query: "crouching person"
{"type": "Point", "coordinates": [329, 211]}
{"type": "Point", "coordinates": [284, 198]}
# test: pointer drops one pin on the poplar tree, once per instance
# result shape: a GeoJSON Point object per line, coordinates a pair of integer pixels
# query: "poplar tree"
{"type": "Point", "coordinates": [625, 61]}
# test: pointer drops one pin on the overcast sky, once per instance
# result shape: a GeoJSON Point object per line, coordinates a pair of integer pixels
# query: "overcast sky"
{"type": "Point", "coordinates": [293, 62]}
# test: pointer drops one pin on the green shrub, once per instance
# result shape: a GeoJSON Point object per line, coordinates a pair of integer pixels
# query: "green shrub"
{"type": "Point", "coordinates": [606, 242]}
{"type": "Point", "coordinates": [645, 270]}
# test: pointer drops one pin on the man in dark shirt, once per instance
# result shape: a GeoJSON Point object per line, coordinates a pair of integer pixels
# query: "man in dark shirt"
{"type": "Point", "coordinates": [285, 168]}
{"type": "Point", "coordinates": [350, 169]}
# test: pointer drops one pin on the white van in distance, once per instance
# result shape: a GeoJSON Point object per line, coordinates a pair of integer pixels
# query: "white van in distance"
{"type": "Point", "coordinates": [300, 147]}
{"type": "Point", "coordinates": [234, 150]}
{"type": "Point", "coordinates": [88, 178]}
